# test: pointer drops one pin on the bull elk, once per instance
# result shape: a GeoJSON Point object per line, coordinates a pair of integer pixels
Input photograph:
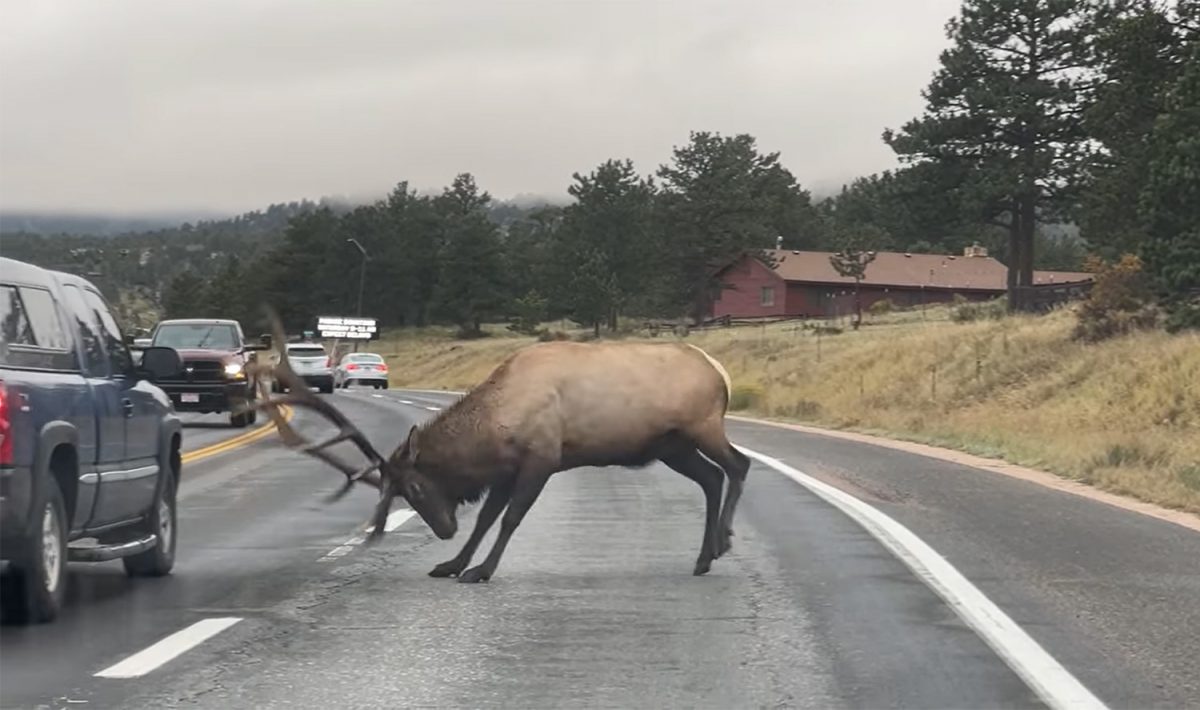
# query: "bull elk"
{"type": "Point", "coordinates": [547, 408]}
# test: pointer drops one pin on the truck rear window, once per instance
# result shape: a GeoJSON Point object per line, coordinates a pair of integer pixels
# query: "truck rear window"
{"type": "Point", "coordinates": [30, 320]}
{"type": "Point", "coordinates": [307, 352]}
{"type": "Point", "coordinates": [14, 321]}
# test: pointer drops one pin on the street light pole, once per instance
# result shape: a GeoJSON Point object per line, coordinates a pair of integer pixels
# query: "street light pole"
{"type": "Point", "coordinates": [362, 277]}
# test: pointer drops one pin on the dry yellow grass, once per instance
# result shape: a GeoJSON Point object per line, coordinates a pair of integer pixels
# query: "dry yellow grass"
{"type": "Point", "coordinates": [1123, 415]}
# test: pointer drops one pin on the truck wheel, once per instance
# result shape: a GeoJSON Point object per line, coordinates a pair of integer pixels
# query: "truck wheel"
{"type": "Point", "coordinates": [158, 560]}
{"type": "Point", "coordinates": [34, 590]}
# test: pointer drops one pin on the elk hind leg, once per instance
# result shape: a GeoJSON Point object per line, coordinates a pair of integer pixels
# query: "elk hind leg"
{"type": "Point", "coordinates": [497, 497]}
{"type": "Point", "coordinates": [690, 463]}
{"type": "Point", "coordinates": [527, 487]}
{"type": "Point", "coordinates": [736, 466]}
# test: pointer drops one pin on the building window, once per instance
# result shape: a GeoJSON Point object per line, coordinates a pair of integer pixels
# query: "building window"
{"type": "Point", "coordinates": [767, 296]}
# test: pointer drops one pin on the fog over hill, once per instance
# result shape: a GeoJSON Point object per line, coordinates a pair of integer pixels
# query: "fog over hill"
{"type": "Point", "coordinates": [66, 222]}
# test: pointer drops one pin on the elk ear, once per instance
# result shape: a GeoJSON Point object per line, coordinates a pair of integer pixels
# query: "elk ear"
{"type": "Point", "coordinates": [408, 450]}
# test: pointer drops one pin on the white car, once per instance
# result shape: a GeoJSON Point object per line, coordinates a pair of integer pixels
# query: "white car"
{"type": "Point", "coordinates": [312, 363]}
{"type": "Point", "coordinates": [362, 368]}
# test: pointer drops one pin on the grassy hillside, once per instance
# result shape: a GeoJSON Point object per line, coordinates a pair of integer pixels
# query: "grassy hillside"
{"type": "Point", "coordinates": [1123, 415]}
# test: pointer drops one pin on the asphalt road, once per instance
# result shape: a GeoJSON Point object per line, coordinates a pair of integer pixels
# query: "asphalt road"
{"type": "Point", "coordinates": [594, 603]}
{"type": "Point", "coordinates": [204, 430]}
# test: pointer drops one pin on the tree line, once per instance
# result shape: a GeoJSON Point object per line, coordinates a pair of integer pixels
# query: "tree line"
{"type": "Point", "coordinates": [1053, 131]}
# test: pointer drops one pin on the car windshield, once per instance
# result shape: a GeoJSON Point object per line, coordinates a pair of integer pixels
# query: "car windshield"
{"type": "Point", "coordinates": [202, 336]}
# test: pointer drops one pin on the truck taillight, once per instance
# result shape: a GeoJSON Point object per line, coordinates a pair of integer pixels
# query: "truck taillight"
{"type": "Point", "coordinates": [328, 362]}
{"type": "Point", "coordinates": [6, 455]}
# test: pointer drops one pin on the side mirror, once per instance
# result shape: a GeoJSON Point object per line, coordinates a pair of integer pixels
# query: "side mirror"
{"type": "Point", "coordinates": [160, 362]}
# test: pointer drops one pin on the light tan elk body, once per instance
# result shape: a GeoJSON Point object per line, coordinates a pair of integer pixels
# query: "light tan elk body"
{"type": "Point", "coordinates": [548, 408]}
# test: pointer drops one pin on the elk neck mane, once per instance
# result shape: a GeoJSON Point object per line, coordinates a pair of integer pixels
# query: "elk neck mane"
{"type": "Point", "coordinates": [440, 446]}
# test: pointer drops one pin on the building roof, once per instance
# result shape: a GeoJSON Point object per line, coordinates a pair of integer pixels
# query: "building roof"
{"type": "Point", "coordinates": [912, 271]}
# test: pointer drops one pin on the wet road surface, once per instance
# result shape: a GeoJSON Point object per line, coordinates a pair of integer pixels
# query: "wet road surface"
{"type": "Point", "coordinates": [594, 603]}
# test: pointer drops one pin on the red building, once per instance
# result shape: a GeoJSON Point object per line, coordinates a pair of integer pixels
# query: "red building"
{"type": "Point", "coordinates": [805, 284]}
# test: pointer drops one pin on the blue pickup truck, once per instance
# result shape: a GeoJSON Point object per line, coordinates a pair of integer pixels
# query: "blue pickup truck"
{"type": "Point", "coordinates": [89, 445]}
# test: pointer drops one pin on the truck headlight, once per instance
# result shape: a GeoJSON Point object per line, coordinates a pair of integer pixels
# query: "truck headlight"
{"type": "Point", "coordinates": [234, 370]}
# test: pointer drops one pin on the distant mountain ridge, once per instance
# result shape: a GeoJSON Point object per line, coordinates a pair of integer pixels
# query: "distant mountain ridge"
{"type": "Point", "coordinates": [101, 225]}
{"type": "Point", "coordinates": [49, 223]}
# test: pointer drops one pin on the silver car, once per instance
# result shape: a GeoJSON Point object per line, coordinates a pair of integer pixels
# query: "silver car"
{"type": "Point", "coordinates": [362, 368]}
{"type": "Point", "coordinates": [312, 363]}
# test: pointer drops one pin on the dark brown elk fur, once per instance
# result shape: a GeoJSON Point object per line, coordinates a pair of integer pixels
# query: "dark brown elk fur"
{"type": "Point", "coordinates": [553, 407]}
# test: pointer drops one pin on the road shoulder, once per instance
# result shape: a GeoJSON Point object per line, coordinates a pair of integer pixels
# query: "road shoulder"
{"type": "Point", "coordinates": [1042, 478]}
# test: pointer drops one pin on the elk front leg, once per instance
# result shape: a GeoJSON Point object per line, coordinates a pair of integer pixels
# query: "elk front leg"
{"type": "Point", "coordinates": [525, 491]}
{"type": "Point", "coordinates": [497, 498]}
{"type": "Point", "coordinates": [387, 491]}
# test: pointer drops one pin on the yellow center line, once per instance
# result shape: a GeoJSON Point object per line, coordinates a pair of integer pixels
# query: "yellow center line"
{"type": "Point", "coordinates": [238, 441]}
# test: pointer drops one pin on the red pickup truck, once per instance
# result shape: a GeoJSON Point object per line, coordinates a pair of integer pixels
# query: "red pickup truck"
{"type": "Point", "coordinates": [215, 357]}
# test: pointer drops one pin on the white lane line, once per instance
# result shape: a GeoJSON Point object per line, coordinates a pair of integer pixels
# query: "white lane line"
{"type": "Point", "coordinates": [1040, 671]}
{"type": "Point", "coordinates": [394, 520]}
{"type": "Point", "coordinates": [377, 396]}
{"type": "Point", "coordinates": [406, 401]}
{"type": "Point", "coordinates": [433, 409]}
{"type": "Point", "coordinates": [153, 656]}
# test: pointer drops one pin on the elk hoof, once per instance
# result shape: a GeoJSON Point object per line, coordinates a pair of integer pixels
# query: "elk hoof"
{"type": "Point", "coordinates": [449, 568]}
{"type": "Point", "coordinates": [724, 545]}
{"type": "Point", "coordinates": [702, 566]}
{"type": "Point", "coordinates": [473, 575]}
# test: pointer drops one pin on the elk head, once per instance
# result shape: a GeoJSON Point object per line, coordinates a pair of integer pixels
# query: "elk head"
{"type": "Point", "coordinates": [398, 474]}
{"type": "Point", "coordinates": [435, 506]}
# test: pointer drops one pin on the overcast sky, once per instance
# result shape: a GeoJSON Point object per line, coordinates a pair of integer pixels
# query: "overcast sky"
{"type": "Point", "coordinates": [122, 106]}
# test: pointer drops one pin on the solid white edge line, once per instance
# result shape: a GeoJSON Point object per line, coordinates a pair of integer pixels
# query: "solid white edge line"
{"type": "Point", "coordinates": [168, 648]}
{"type": "Point", "coordinates": [1040, 671]}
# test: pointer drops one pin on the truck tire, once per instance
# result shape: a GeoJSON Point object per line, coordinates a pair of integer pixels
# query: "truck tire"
{"type": "Point", "coordinates": [158, 560]}
{"type": "Point", "coordinates": [34, 589]}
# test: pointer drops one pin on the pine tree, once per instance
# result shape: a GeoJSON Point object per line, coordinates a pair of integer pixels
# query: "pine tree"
{"type": "Point", "coordinates": [185, 297]}
{"type": "Point", "coordinates": [722, 197]}
{"type": "Point", "coordinates": [469, 285]}
{"type": "Point", "coordinates": [605, 245]}
{"type": "Point", "coordinates": [1171, 199]}
{"type": "Point", "coordinates": [1004, 108]}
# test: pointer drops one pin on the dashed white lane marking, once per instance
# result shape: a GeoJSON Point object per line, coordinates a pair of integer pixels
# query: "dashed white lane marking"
{"type": "Point", "coordinates": [153, 656]}
{"type": "Point", "coordinates": [433, 409]}
{"type": "Point", "coordinates": [394, 520]}
{"type": "Point", "coordinates": [1040, 671]}
{"type": "Point", "coordinates": [406, 401]}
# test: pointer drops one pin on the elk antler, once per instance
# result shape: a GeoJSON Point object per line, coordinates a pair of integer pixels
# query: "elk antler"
{"type": "Point", "coordinates": [300, 396]}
